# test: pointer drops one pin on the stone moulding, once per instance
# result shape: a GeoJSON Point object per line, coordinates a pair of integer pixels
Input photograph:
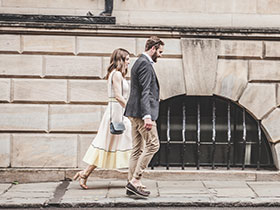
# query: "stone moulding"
{"type": "Point", "coordinates": [58, 19]}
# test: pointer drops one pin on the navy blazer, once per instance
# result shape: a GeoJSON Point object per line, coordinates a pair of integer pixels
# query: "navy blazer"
{"type": "Point", "coordinates": [144, 90]}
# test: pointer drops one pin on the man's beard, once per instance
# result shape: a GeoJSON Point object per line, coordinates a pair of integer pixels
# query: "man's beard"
{"type": "Point", "coordinates": [154, 57]}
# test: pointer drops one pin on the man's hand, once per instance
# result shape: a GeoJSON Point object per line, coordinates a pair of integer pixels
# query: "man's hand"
{"type": "Point", "coordinates": [148, 124]}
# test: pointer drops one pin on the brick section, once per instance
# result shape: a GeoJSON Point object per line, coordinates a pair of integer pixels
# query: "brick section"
{"type": "Point", "coordinates": [232, 78]}
{"type": "Point", "coordinates": [105, 45]}
{"type": "Point", "coordinates": [166, 69]}
{"type": "Point", "coordinates": [75, 118]}
{"type": "Point", "coordinates": [84, 143]}
{"type": "Point", "coordinates": [171, 47]}
{"type": "Point", "coordinates": [241, 48]}
{"type": "Point", "coordinates": [40, 90]}
{"type": "Point", "coordinates": [4, 150]}
{"type": "Point", "coordinates": [268, 6]}
{"type": "Point", "coordinates": [271, 124]}
{"type": "Point", "coordinates": [19, 117]}
{"type": "Point", "coordinates": [10, 43]}
{"type": "Point", "coordinates": [28, 65]}
{"type": "Point", "coordinates": [264, 70]}
{"type": "Point", "coordinates": [37, 150]}
{"type": "Point", "coordinates": [49, 44]}
{"type": "Point", "coordinates": [259, 99]}
{"type": "Point", "coordinates": [272, 49]}
{"type": "Point", "coordinates": [88, 91]}
{"type": "Point", "coordinates": [73, 66]}
{"type": "Point", "coordinates": [5, 89]}
{"type": "Point", "coordinates": [86, 4]}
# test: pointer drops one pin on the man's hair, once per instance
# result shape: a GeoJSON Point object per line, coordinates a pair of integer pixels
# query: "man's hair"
{"type": "Point", "coordinates": [153, 41]}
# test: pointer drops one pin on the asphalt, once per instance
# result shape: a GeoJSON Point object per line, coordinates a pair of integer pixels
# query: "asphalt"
{"type": "Point", "coordinates": [111, 193]}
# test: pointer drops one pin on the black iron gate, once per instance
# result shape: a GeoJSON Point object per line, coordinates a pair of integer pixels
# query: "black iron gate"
{"type": "Point", "coordinates": [209, 131]}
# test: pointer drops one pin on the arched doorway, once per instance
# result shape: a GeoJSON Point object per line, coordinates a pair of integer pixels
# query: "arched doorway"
{"type": "Point", "coordinates": [209, 131]}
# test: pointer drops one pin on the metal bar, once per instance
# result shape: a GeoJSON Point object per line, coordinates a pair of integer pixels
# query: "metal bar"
{"type": "Point", "coordinates": [259, 145]}
{"type": "Point", "coordinates": [244, 139]}
{"type": "Point", "coordinates": [168, 138]}
{"type": "Point", "coordinates": [198, 136]}
{"type": "Point", "coordinates": [213, 132]}
{"type": "Point", "coordinates": [183, 136]}
{"type": "Point", "coordinates": [234, 137]}
{"type": "Point", "coordinates": [229, 136]}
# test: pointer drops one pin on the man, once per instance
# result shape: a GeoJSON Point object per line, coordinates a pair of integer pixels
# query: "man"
{"type": "Point", "coordinates": [142, 109]}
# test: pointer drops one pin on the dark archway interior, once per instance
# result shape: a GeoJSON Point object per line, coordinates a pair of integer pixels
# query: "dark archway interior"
{"type": "Point", "coordinates": [210, 131]}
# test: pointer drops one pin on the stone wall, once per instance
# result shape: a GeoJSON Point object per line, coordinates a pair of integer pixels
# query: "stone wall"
{"type": "Point", "coordinates": [53, 94]}
{"type": "Point", "coordinates": [198, 13]}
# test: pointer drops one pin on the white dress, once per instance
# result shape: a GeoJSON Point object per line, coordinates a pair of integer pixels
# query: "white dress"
{"type": "Point", "coordinates": [106, 150]}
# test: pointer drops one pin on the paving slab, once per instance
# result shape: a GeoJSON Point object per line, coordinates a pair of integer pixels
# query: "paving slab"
{"type": "Point", "coordinates": [266, 189]}
{"type": "Point", "coordinates": [4, 187]}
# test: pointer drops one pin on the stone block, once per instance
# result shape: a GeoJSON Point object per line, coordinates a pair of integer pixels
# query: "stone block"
{"type": "Point", "coordinates": [27, 65]}
{"type": "Point", "coordinates": [74, 118]}
{"type": "Point", "coordinates": [39, 150]}
{"type": "Point", "coordinates": [84, 143]}
{"type": "Point", "coordinates": [264, 70]}
{"type": "Point", "coordinates": [231, 78]}
{"type": "Point", "coordinates": [42, 90]}
{"type": "Point", "coordinates": [32, 175]}
{"type": "Point", "coordinates": [228, 6]}
{"type": "Point", "coordinates": [241, 48]}
{"type": "Point", "coordinates": [162, 5]}
{"type": "Point", "coordinates": [271, 124]}
{"type": "Point", "coordinates": [73, 66]}
{"type": "Point", "coordinates": [19, 10]}
{"type": "Point", "coordinates": [4, 150]}
{"type": "Point", "coordinates": [49, 44]}
{"type": "Point", "coordinates": [272, 49]}
{"type": "Point", "coordinates": [19, 117]}
{"type": "Point", "coordinates": [179, 19]}
{"type": "Point", "coordinates": [5, 86]}
{"type": "Point", "coordinates": [167, 68]}
{"type": "Point", "coordinates": [278, 94]}
{"type": "Point", "coordinates": [268, 6]}
{"type": "Point", "coordinates": [10, 43]}
{"type": "Point", "coordinates": [87, 4]}
{"type": "Point", "coordinates": [171, 47]}
{"type": "Point", "coordinates": [104, 45]}
{"type": "Point", "coordinates": [266, 189]}
{"type": "Point", "coordinates": [88, 91]}
{"type": "Point", "coordinates": [255, 20]}
{"type": "Point", "coordinates": [275, 148]}
{"type": "Point", "coordinates": [200, 65]}
{"type": "Point", "coordinates": [259, 99]}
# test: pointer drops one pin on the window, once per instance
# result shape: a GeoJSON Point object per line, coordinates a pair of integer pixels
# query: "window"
{"type": "Point", "coordinates": [209, 131]}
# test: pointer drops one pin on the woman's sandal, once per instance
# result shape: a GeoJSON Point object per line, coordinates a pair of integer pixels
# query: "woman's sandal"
{"type": "Point", "coordinates": [83, 179]}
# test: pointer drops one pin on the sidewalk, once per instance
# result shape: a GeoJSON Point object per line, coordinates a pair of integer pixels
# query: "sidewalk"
{"type": "Point", "coordinates": [111, 193]}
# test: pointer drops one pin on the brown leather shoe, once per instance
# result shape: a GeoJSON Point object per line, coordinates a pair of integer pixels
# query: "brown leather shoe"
{"type": "Point", "coordinates": [137, 190]}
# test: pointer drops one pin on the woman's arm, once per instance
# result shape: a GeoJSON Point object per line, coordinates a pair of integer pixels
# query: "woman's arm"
{"type": "Point", "coordinates": [117, 87]}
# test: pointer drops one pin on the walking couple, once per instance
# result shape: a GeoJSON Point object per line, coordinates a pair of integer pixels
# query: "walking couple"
{"type": "Point", "coordinates": [139, 142]}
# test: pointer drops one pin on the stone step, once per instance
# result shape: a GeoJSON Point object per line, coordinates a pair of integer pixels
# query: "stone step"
{"type": "Point", "coordinates": [52, 175]}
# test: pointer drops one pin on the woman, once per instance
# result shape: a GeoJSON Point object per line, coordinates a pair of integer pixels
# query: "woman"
{"type": "Point", "coordinates": [107, 150]}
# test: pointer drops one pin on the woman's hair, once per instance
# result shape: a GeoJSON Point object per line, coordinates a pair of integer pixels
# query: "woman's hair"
{"type": "Point", "coordinates": [117, 62]}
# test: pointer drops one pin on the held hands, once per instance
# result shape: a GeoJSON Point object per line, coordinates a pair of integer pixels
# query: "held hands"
{"type": "Point", "coordinates": [148, 124]}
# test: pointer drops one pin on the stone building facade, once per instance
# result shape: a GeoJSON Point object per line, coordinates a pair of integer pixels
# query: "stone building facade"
{"type": "Point", "coordinates": [53, 91]}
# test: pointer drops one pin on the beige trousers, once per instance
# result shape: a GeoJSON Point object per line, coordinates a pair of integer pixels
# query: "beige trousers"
{"type": "Point", "coordinates": [144, 145]}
